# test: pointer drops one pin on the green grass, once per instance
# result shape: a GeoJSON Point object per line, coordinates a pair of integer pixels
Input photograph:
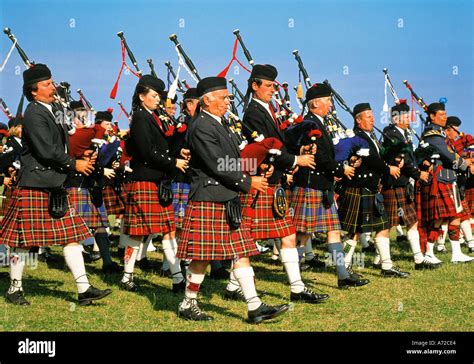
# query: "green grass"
{"type": "Point", "coordinates": [439, 300]}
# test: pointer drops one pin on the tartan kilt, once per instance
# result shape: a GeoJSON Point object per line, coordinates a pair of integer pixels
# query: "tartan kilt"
{"type": "Point", "coordinates": [113, 202]}
{"type": "Point", "coordinates": [357, 212]}
{"type": "Point", "coordinates": [395, 200]}
{"type": "Point", "coordinates": [144, 215]}
{"type": "Point", "coordinates": [465, 214]}
{"type": "Point", "coordinates": [309, 213]}
{"type": "Point", "coordinates": [180, 201]}
{"type": "Point", "coordinates": [206, 235]}
{"type": "Point", "coordinates": [438, 207]}
{"type": "Point", "coordinates": [7, 201]}
{"type": "Point", "coordinates": [261, 221]}
{"type": "Point", "coordinates": [469, 198]}
{"type": "Point", "coordinates": [28, 223]}
{"type": "Point", "coordinates": [94, 217]}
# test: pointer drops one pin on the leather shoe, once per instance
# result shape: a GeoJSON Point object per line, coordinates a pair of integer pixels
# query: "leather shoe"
{"type": "Point", "coordinates": [17, 298]}
{"type": "Point", "coordinates": [315, 263]}
{"type": "Point", "coordinates": [112, 268]}
{"type": "Point", "coordinates": [394, 272]}
{"type": "Point", "coordinates": [426, 264]}
{"type": "Point", "coordinates": [193, 312]}
{"type": "Point", "coordinates": [351, 281]}
{"type": "Point", "coordinates": [236, 295]}
{"type": "Point", "coordinates": [309, 296]}
{"type": "Point", "coordinates": [92, 294]}
{"type": "Point", "coordinates": [130, 286]}
{"type": "Point", "coordinates": [265, 312]}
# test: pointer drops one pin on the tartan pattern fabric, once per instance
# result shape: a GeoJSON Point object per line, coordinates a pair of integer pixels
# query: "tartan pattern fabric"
{"type": "Point", "coordinates": [309, 213]}
{"type": "Point", "coordinates": [469, 198]}
{"type": "Point", "coordinates": [261, 220]}
{"type": "Point", "coordinates": [113, 202]}
{"type": "Point", "coordinates": [144, 215]}
{"type": "Point", "coordinates": [431, 208]}
{"type": "Point", "coordinates": [6, 202]}
{"type": "Point", "coordinates": [397, 207]}
{"type": "Point", "coordinates": [461, 143]}
{"type": "Point", "coordinates": [465, 214]}
{"type": "Point", "coordinates": [357, 212]}
{"type": "Point", "coordinates": [94, 217]}
{"type": "Point", "coordinates": [28, 223]}
{"type": "Point", "coordinates": [180, 201]}
{"type": "Point", "coordinates": [206, 235]}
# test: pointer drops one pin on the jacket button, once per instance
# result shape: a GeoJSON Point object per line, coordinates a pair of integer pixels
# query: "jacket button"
{"type": "Point", "coordinates": [365, 176]}
{"type": "Point", "coordinates": [208, 181]}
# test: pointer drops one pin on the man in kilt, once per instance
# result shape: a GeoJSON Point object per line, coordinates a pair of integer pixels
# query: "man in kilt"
{"type": "Point", "coordinates": [266, 223]}
{"type": "Point", "coordinates": [86, 191]}
{"type": "Point", "coordinates": [360, 206]}
{"type": "Point", "coordinates": [313, 201]}
{"type": "Point", "coordinates": [463, 144]}
{"type": "Point", "coordinates": [399, 194]}
{"type": "Point", "coordinates": [440, 200]}
{"type": "Point", "coordinates": [40, 213]}
{"type": "Point", "coordinates": [211, 228]}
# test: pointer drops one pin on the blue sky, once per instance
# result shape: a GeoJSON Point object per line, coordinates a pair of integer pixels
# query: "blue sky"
{"type": "Point", "coordinates": [429, 43]}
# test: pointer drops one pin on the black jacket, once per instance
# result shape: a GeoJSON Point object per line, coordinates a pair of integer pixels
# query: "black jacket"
{"type": "Point", "coordinates": [176, 143]}
{"type": "Point", "coordinates": [212, 147]}
{"type": "Point", "coordinates": [409, 169]}
{"type": "Point", "coordinates": [258, 119]}
{"type": "Point", "coordinates": [372, 169]}
{"type": "Point", "coordinates": [149, 149]}
{"type": "Point", "coordinates": [322, 178]}
{"type": "Point", "coordinates": [44, 161]}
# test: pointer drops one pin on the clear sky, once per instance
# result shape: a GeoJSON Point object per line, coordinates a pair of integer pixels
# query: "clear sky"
{"type": "Point", "coordinates": [429, 43]}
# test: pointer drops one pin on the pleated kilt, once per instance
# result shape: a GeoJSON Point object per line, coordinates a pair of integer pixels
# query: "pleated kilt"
{"type": "Point", "coordinates": [28, 223]}
{"type": "Point", "coordinates": [432, 208]}
{"type": "Point", "coordinates": [357, 212]}
{"type": "Point", "coordinates": [144, 215]}
{"type": "Point", "coordinates": [114, 203]}
{"type": "Point", "coordinates": [7, 201]}
{"type": "Point", "coordinates": [469, 198]}
{"type": "Point", "coordinates": [397, 206]}
{"type": "Point", "coordinates": [261, 221]}
{"type": "Point", "coordinates": [206, 235]}
{"type": "Point", "coordinates": [94, 217]}
{"type": "Point", "coordinates": [465, 214]}
{"type": "Point", "coordinates": [180, 201]}
{"type": "Point", "coordinates": [309, 213]}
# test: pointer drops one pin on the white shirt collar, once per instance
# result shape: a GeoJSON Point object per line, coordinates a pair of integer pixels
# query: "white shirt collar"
{"type": "Point", "coordinates": [400, 130]}
{"type": "Point", "coordinates": [18, 140]}
{"type": "Point", "coordinates": [217, 118]}
{"type": "Point", "coordinates": [48, 106]}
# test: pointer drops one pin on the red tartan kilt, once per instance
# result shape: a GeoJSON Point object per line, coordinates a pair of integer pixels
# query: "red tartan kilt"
{"type": "Point", "coordinates": [7, 201]}
{"type": "Point", "coordinates": [94, 217]}
{"type": "Point", "coordinates": [469, 198]}
{"type": "Point", "coordinates": [465, 214]}
{"type": "Point", "coordinates": [206, 235]}
{"type": "Point", "coordinates": [144, 215]}
{"type": "Point", "coordinates": [261, 221]}
{"type": "Point", "coordinates": [28, 223]}
{"type": "Point", "coordinates": [437, 207]}
{"type": "Point", "coordinates": [113, 202]}
{"type": "Point", "coordinates": [394, 200]}
{"type": "Point", "coordinates": [309, 213]}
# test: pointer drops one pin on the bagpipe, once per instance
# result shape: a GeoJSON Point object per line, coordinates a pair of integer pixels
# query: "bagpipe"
{"type": "Point", "coordinates": [182, 85]}
{"type": "Point", "coordinates": [5, 109]}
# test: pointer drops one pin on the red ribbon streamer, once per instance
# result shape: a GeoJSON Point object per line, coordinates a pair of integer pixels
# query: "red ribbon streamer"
{"type": "Point", "coordinates": [113, 92]}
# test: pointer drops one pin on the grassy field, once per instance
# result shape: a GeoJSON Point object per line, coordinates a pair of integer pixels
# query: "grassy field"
{"type": "Point", "coordinates": [439, 300]}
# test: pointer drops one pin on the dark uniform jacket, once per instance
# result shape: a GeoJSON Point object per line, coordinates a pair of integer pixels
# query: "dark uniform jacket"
{"type": "Point", "coordinates": [176, 143]}
{"type": "Point", "coordinates": [149, 149]}
{"type": "Point", "coordinates": [258, 119]}
{"type": "Point", "coordinates": [44, 161]}
{"type": "Point", "coordinates": [215, 151]}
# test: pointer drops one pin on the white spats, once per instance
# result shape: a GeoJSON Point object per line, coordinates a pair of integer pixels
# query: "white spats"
{"type": "Point", "coordinates": [383, 247]}
{"type": "Point", "coordinates": [75, 262]}
{"type": "Point", "coordinates": [193, 282]}
{"type": "Point", "coordinates": [173, 262]}
{"type": "Point", "coordinates": [414, 240]}
{"type": "Point", "coordinates": [457, 255]}
{"type": "Point", "coordinates": [130, 257]}
{"type": "Point", "coordinates": [466, 230]}
{"type": "Point", "coordinates": [245, 277]}
{"type": "Point", "coordinates": [429, 254]}
{"type": "Point", "coordinates": [17, 265]}
{"type": "Point", "coordinates": [233, 284]}
{"type": "Point", "coordinates": [290, 260]}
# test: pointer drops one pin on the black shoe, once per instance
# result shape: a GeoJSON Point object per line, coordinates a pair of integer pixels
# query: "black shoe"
{"type": "Point", "coordinates": [92, 256]}
{"type": "Point", "coordinates": [303, 267]}
{"type": "Point", "coordinates": [47, 257]}
{"type": "Point", "coordinates": [193, 313]}
{"type": "Point", "coordinates": [220, 273]}
{"type": "Point", "coordinates": [351, 281]}
{"type": "Point", "coordinates": [471, 250]}
{"type": "Point", "coordinates": [377, 266]}
{"type": "Point", "coordinates": [92, 294]}
{"type": "Point", "coordinates": [369, 249]}
{"type": "Point", "coordinates": [145, 264]}
{"type": "Point", "coordinates": [112, 268]}
{"type": "Point", "coordinates": [165, 273]}
{"type": "Point", "coordinates": [309, 296]}
{"type": "Point", "coordinates": [17, 298]}
{"type": "Point", "coordinates": [394, 272]}
{"type": "Point", "coordinates": [265, 312]}
{"type": "Point", "coordinates": [236, 295]}
{"type": "Point", "coordinates": [315, 263]}
{"type": "Point", "coordinates": [120, 253]}
{"type": "Point", "coordinates": [179, 287]}
{"type": "Point", "coordinates": [426, 265]}
{"type": "Point", "coordinates": [129, 285]}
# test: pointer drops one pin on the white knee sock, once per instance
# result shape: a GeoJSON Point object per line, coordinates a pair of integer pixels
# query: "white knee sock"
{"type": "Point", "coordinates": [233, 284]}
{"type": "Point", "coordinates": [349, 251]}
{"type": "Point", "coordinates": [174, 243]}
{"type": "Point", "coordinates": [289, 258]}
{"type": "Point", "coordinates": [130, 257]}
{"type": "Point", "coordinates": [75, 262]}
{"type": "Point", "coordinates": [17, 265]}
{"type": "Point", "coordinates": [245, 277]}
{"type": "Point", "coordinates": [143, 248]}
{"type": "Point", "coordinates": [467, 230]}
{"type": "Point", "coordinates": [429, 254]}
{"type": "Point", "coordinates": [383, 246]}
{"type": "Point", "coordinates": [414, 239]}
{"type": "Point", "coordinates": [399, 230]}
{"type": "Point", "coordinates": [457, 254]}
{"type": "Point", "coordinates": [193, 282]}
{"type": "Point", "coordinates": [174, 263]}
